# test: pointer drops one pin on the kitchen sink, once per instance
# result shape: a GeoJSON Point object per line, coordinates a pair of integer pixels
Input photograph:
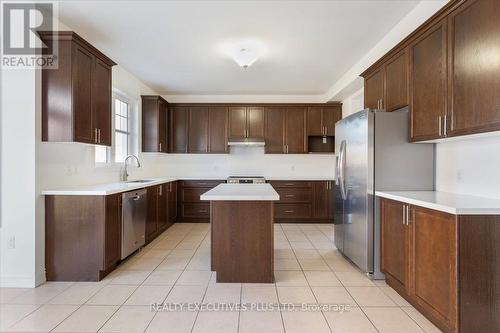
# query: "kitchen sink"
{"type": "Point", "coordinates": [139, 181]}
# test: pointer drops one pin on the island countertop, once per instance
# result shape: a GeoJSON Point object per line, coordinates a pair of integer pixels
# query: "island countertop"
{"type": "Point", "coordinates": [241, 192]}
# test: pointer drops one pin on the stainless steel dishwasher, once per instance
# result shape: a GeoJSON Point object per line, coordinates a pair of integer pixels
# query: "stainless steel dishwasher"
{"type": "Point", "coordinates": [134, 210]}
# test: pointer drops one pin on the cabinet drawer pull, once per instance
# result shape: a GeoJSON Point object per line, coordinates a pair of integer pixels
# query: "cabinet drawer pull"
{"type": "Point", "coordinates": [289, 184]}
{"type": "Point", "coordinates": [202, 211]}
{"type": "Point", "coordinates": [289, 196]}
{"type": "Point", "coordinates": [289, 211]}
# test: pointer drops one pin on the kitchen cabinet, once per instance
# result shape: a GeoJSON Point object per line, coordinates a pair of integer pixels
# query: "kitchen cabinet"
{"type": "Point", "coordinates": [304, 201]}
{"type": "Point", "coordinates": [198, 129]}
{"type": "Point", "coordinates": [217, 128]}
{"type": "Point", "coordinates": [82, 236]}
{"type": "Point", "coordinates": [275, 129]}
{"type": "Point", "coordinates": [428, 85]}
{"type": "Point", "coordinates": [434, 263]}
{"type": "Point", "coordinates": [285, 130]}
{"type": "Point", "coordinates": [321, 120]}
{"type": "Point", "coordinates": [395, 242]}
{"type": "Point", "coordinates": [387, 86]}
{"type": "Point", "coordinates": [474, 71]}
{"type": "Point", "coordinates": [162, 207]}
{"type": "Point", "coordinates": [246, 122]}
{"type": "Point", "coordinates": [190, 207]}
{"type": "Point", "coordinates": [172, 202]}
{"type": "Point", "coordinates": [76, 97]}
{"type": "Point", "coordinates": [374, 90]}
{"type": "Point", "coordinates": [152, 212]}
{"type": "Point", "coordinates": [179, 129]}
{"type": "Point", "coordinates": [159, 217]}
{"type": "Point", "coordinates": [154, 124]}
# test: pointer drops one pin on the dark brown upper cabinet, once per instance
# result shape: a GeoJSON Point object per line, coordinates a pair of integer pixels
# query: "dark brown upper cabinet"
{"type": "Point", "coordinates": [428, 84]}
{"type": "Point", "coordinates": [76, 97]}
{"type": "Point", "coordinates": [374, 89]}
{"type": "Point", "coordinates": [275, 129]}
{"type": "Point", "coordinates": [198, 129]}
{"type": "Point", "coordinates": [474, 84]}
{"type": "Point", "coordinates": [179, 129]}
{"type": "Point", "coordinates": [285, 130]}
{"type": "Point", "coordinates": [321, 119]}
{"type": "Point", "coordinates": [246, 122]}
{"type": "Point", "coordinates": [154, 124]}
{"type": "Point", "coordinates": [386, 87]}
{"type": "Point", "coordinates": [217, 129]}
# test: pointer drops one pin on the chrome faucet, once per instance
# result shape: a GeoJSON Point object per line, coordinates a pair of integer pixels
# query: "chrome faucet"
{"type": "Point", "coordinates": [125, 171]}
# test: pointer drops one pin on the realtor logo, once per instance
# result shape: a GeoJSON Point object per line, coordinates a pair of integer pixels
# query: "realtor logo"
{"type": "Point", "coordinates": [21, 45]}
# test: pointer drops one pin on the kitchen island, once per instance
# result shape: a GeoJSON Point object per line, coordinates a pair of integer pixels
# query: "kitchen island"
{"type": "Point", "coordinates": [242, 235]}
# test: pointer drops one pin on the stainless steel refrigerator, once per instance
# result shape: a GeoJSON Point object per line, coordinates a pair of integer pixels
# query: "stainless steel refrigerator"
{"type": "Point", "coordinates": [373, 154]}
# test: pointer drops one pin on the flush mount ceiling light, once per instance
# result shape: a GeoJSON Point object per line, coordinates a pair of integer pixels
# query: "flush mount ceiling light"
{"type": "Point", "coordinates": [244, 53]}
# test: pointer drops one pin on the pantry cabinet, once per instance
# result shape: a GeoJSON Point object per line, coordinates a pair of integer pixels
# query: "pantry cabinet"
{"type": "Point", "coordinates": [154, 124]}
{"type": "Point", "coordinates": [76, 96]}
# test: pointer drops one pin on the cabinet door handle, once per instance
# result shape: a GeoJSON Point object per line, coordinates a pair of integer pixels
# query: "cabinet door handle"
{"type": "Point", "coordinates": [288, 211]}
{"type": "Point", "coordinates": [407, 214]}
{"type": "Point", "coordinates": [202, 210]}
{"type": "Point", "coordinates": [160, 146]}
{"type": "Point", "coordinates": [289, 196]}
{"type": "Point", "coordinates": [404, 215]}
{"type": "Point", "coordinates": [445, 125]}
{"type": "Point", "coordinates": [95, 135]}
{"type": "Point", "coordinates": [99, 134]}
{"type": "Point", "coordinates": [287, 149]}
{"type": "Point", "coordinates": [439, 125]}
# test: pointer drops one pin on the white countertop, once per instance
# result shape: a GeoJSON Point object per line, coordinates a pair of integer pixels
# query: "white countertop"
{"type": "Point", "coordinates": [241, 192]}
{"type": "Point", "coordinates": [452, 203]}
{"type": "Point", "coordinates": [109, 188]}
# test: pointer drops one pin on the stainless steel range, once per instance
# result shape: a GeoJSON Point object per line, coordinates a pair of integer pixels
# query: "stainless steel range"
{"type": "Point", "coordinates": [246, 180]}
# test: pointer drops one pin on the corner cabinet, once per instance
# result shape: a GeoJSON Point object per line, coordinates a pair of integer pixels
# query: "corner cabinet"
{"type": "Point", "coordinates": [76, 96]}
{"type": "Point", "coordinates": [154, 124]}
{"type": "Point", "coordinates": [445, 265]}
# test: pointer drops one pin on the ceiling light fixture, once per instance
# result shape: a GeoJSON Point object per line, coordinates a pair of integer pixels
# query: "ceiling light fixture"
{"type": "Point", "coordinates": [244, 53]}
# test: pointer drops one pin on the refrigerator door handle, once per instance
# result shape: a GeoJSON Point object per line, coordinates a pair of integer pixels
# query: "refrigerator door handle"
{"type": "Point", "coordinates": [342, 169]}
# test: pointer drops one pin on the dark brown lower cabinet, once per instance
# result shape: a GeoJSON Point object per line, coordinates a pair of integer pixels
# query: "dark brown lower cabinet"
{"type": "Point", "coordinates": [158, 216]}
{"type": "Point", "coordinates": [304, 201]}
{"type": "Point", "coordinates": [445, 265]}
{"type": "Point", "coordinates": [82, 236]}
{"type": "Point", "coordinates": [189, 207]}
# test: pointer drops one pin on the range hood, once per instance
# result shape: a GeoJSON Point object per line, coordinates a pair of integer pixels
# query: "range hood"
{"type": "Point", "coordinates": [247, 142]}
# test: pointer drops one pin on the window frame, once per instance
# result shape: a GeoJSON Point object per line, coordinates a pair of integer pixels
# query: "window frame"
{"type": "Point", "coordinates": [132, 129]}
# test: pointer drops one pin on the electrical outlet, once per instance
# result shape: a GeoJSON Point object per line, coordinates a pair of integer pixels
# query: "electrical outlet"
{"type": "Point", "coordinates": [11, 243]}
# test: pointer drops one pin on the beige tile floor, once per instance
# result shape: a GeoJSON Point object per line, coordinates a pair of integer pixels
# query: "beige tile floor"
{"type": "Point", "coordinates": [176, 268]}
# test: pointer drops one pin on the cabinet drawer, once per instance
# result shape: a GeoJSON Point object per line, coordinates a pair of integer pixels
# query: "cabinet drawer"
{"type": "Point", "coordinates": [302, 195]}
{"type": "Point", "coordinates": [196, 210]}
{"type": "Point", "coordinates": [285, 183]}
{"type": "Point", "coordinates": [201, 183]}
{"type": "Point", "coordinates": [192, 194]}
{"type": "Point", "coordinates": [290, 211]}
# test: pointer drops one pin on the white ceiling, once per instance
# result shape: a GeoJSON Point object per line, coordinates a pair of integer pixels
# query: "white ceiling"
{"type": "Point", "coordinates": [174, 46]}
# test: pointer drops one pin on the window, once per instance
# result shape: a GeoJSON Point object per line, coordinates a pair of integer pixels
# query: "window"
{"type": "Point", "coordinates": [124, 121]}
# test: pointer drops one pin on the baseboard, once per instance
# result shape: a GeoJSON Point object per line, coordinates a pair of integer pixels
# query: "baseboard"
{"type": "Point", "coordinates": [7, 281]}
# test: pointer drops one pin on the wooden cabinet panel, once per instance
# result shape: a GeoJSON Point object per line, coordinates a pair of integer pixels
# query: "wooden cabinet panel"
{"type": "Point", "coordinates": [428, 84]}
{"type": "Point", "coordinates": [374, 89]}
{"type": "Point", "coordinates": [201, 183]}
{"type": "Point", "coordinates": [290, 183]}
{"type": "Point", "coordinates": [474, 80]}
{"type": "Point", "coordinates": [275, 130]}
{"type": "Point", "coordinates": [396, 82]}
{"type": "Point", "coordinates": [295, 140]}
{"type": "Point", "coordinates": [331, 200]}
{"type": "Point", "coordinates": [434, 263]}
{"type": "Point", "coordinates": [217, 120]}
{"type": "Point", "coordinates": [196, 210]}
{"type": "Point", "coordinates": [101, 100]}
{"type": "Point", "coordinates": [162, 208]}
{"type": "Point", "coordinates": [152, 213]}
{"type": "Point", "coordinates": [321, 201]}
{"type": "Point", "coordinates": [112, 230]}
{"type": "Point", "coordinates": [172, 201]}
{"type": "Point", "coordinates": [395, 242]}
{"type": "Point", "coordinates": [198, 129]}
{"type": "Point", "coordinates": [255, 122]}
{"type": "Point", "coordinates": [154, 124]}
{"type": "Point", "coordinates": [297, 195]}
{"type": "Point", "coordinates": [82, 96]}
{"type": "Point", "coordinates": [292, 211]}
{"type": "Point", "coordinates": [192, 194]}
{"type": "Point", "coordinates": [179, 129]}
{"type": "Point", "coordinates": [315, 120]}
{"type": "Point", "coordinates": [237, 122]}
{"type": "Point", "coordinates": [331, 114]}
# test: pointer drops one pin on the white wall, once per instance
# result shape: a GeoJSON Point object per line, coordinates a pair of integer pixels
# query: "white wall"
{"type": "Point", "coordinates": [250, 162]}
{"type": "Point", "coordinates": [469, 166]}
{"type": "Point", "coordinates": [353, 103]}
